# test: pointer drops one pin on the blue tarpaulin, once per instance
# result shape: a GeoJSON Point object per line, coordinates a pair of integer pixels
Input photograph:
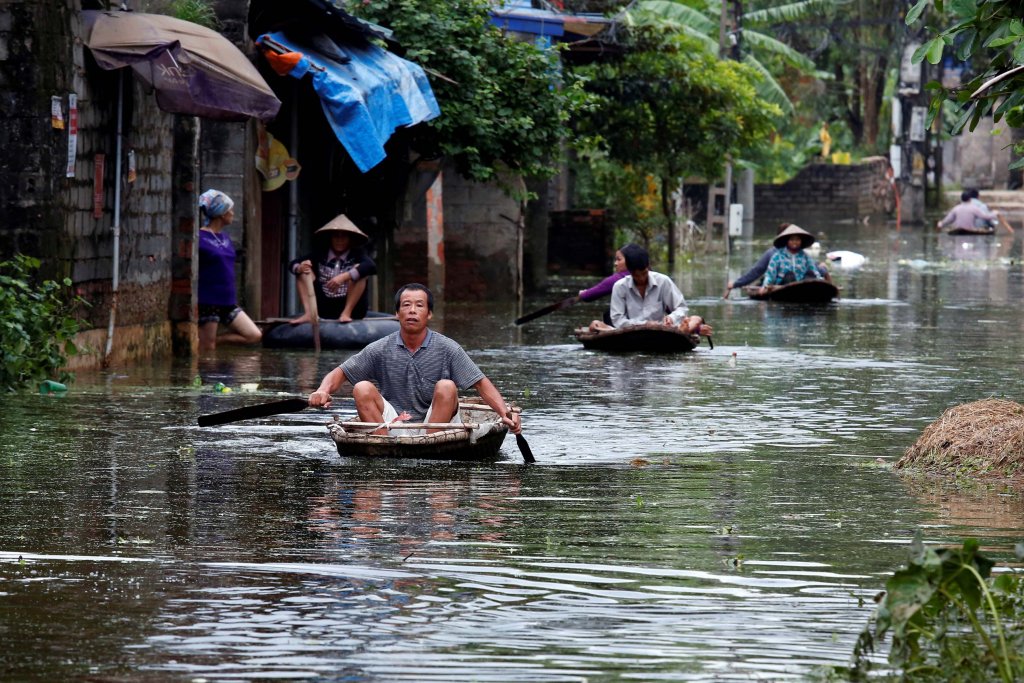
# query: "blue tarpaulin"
{"type": "Point", "coordinates": [366, 92]}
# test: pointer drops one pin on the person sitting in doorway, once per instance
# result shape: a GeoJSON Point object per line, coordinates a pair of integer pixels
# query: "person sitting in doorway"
{"type": "Point", "coordinates": [338, 271]}
{"type": "Point", "coordinates": [790, 262]}
{"type": "Point", "coordinates": [645, 296]}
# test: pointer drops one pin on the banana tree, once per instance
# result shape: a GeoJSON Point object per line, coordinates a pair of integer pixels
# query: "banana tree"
{"type": "Point", "coordinates": [702, 23]}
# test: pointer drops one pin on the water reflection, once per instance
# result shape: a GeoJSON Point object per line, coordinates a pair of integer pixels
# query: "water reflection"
{"type": "Point", "coordinates": [688, 518]}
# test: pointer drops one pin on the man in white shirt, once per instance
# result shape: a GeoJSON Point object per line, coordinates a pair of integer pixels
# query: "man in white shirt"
{"type": "Point", "coordinates": [646, 296]}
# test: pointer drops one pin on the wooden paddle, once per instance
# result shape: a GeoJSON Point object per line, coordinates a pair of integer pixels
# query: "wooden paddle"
{"type": "Point", "coordinates": [288, 405]}
{"type": "Point", "coordinates": [1005, 223]}
{"type": "Point", "coordinates": [524, 447]}
{"type": "Point", "coordinates": [551, 308]}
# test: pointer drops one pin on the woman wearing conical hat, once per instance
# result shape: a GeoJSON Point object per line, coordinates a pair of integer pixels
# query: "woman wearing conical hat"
{"type": "Point", "coordinates": [759, 268]}
{"type": "Point", "coordinates": [339, 269]}
{"type": "Point", "coordinates": [790, 263]}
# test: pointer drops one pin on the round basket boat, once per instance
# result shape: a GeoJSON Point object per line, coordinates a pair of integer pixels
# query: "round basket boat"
{"type": "Point", "coordinates": [482, 442]}
{"type": "Point", "coordinates": [651, 337]}
{"type": "Point", "coordinates": [972, 231]}
{"type": "Point", "coordinates": [280, 334]}
{"type": "Point", "coordinates": [801, 292]}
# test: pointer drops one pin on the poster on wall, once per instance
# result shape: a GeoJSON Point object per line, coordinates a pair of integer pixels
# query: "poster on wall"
{"type": "Point", "coordinates": [896, 160]}
{"type": "Point", "coordinates": [917, 127]}
{"type": "Point", "coordinates": [99, 164]}
{"type": "Point", "coordinates": [56, 113]}
{"type": "Point", "coordinates": [72, 133]}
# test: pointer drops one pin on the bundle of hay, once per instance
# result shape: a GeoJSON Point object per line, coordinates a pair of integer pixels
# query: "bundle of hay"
{"type": "Point", "coordinates": [984, 437]}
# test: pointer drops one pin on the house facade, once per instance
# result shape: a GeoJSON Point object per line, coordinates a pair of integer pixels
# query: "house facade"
{"type": "Point", "coordinates": [130, 252]}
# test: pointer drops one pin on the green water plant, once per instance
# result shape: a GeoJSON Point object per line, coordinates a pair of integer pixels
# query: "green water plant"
{"type": "Point", "coordinates": [949, 618]}
{"type": "Point", "coordinates": [37, 324]}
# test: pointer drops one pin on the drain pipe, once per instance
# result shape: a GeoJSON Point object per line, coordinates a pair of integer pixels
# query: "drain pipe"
{"type": "Point", "coordinates": [117, 221]}
{"type": "Point", "coordinates": [291, 301]}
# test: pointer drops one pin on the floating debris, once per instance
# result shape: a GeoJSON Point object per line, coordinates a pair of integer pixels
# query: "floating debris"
{"type": "Point", "coordinates": [983, 438]}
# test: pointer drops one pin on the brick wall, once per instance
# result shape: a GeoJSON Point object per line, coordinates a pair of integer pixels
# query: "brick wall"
{"type": "Point", "coordinates": [46, 214]}
{"type": "Point", "coordinates": [826, 192]}
{"type": "Point", "coordinates": [36, 47]}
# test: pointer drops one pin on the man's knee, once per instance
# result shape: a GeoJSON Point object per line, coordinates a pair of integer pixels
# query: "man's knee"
{"type": "Point", "coordinates": [445, 389]}
{"type": "Point", "coordinates": [364, 390]}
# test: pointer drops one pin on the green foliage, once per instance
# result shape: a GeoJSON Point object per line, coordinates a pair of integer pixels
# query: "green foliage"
{"type": "Point", "coordinates": [626, 190]}
{"type": "Point", "coordinates": [699, 19]}
{"type": "Point", "coordinates": [665, 111]}
{"type": "Point", "coordinates": [950, 620]}
{"type": "Point", "coordinates": [509, 103]}
{"type": "Point", "coordinates": [196, 11]}
{"type": "Point", "coordinates": [990, 35]}
{"type": "Point", "coordinates": [674, 109]}
{"type": "Point", "coordinates": [36, 324]}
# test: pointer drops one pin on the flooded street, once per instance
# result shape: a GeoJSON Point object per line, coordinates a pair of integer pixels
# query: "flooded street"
{"type": "Point", "coordinates": [687, 518]}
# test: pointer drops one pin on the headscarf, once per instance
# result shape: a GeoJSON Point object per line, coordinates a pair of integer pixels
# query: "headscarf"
{"type": "Point", "coordinates": [213, 204]}
{"type": "Point", "coordinates": [636, 257]}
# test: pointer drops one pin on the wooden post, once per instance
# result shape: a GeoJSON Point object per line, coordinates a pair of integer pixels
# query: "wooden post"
{"type": "Point", "coordinates": [435, 239]}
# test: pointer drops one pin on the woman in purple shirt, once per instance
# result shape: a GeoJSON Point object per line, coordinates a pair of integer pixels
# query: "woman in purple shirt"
{"type": "Point", "coordinates": [218, 301]}
{"type": "Point", "coordinates": [604, 287]}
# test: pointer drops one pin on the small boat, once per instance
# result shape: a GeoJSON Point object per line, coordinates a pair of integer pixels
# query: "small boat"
{"type": "Point", "coordinates": [278, 333]}
{"type": "Point", "coordinates": [801, 292]}
{"type": "Point", "coordinates": [653, 337]}
{"type": "Point", "coordinates": [478, 438]}
{"type": "Point", "coordinates": [987, 230]}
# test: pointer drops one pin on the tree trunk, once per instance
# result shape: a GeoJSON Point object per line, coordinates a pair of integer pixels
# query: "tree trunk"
{"type": "Point", "coordinates": [670, 222]}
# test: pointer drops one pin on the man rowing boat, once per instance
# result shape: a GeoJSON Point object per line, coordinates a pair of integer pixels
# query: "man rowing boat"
{"type": "Point", "coordinates": [415, 369]}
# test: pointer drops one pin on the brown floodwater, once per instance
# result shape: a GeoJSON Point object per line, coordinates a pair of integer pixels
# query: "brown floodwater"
{"type": "Point", "coordinates": [687, 518]}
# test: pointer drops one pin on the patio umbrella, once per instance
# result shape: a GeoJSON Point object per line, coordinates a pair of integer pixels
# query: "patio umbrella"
{"type": "Point", "coordinates": [192, 69]}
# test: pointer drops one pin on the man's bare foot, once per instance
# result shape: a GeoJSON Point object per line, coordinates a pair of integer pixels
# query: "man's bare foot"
{"type": "Point", "coordinates": [304, 318]}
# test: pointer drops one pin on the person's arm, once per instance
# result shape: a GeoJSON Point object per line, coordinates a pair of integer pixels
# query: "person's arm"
{"type": "Point", "coordinates": [321, 398]}
{"type": "Point", "coordinates": [618, 306]}
{"type": "Point", "coordinates": [771, 272]}
{"type": "Point", "coordinates": [365, 267]}
{"type": "Point", "coordinates": [674, 303]}
{"type": "Point", "coordinates": [756, 271]}
{"type": "Point", "coordinates": [950, 217]}
{"type": "Point", "coordinates": [987, 215]}
{"type": "Point", "coordinates": [809, 266]}
{"type": "Point", "coordinates": [602, 288]}
{"type": "Point", "coordinates": [492, 397]}
{"type": "Point", "coordinates": [301, 264]}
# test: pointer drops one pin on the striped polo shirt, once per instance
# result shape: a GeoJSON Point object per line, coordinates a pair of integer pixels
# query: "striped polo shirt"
{"type": "Point", "coordinates": [406, 380]}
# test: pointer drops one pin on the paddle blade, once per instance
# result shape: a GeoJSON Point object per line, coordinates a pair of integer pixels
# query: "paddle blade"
{"type": "Point", "coordinates": [550, 308]}
{"type": "Point", "coordinates": [524, 448]}
{"type": "Point", "coordinates": [288, 405]}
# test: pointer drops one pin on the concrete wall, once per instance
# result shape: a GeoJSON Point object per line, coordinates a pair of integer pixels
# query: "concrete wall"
{"type": "Point", "coordinates": [978, 158]}
{"type": "Point", "coordinates": [481, 233]}
{"type": "Point", "coordinates": [826, 192]}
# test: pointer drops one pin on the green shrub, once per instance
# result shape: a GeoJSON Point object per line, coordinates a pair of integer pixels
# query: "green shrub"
{"type": "Point", "coordinates": [949, 618]}
{"type": "Point", "coordinates": [37, 324]}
